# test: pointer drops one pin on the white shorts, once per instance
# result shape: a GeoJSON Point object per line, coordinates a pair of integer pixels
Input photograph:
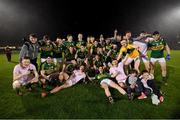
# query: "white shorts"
{"type": "Point", "coordinates": [157, 60]}
{"type": "Point", "coordinates": [43, 60]}
{"type": "Point", "coordinates": [71, 82]}
{"type": "Point", "coordinates": [106, 80]}
{"type": "Point", "coordinates": [129, 60]}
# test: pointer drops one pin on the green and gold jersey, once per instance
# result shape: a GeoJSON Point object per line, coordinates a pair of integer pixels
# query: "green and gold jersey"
{"type": "Point", "coordinates": [46, 50]}
{"type": "Point", "coordinates": [108, 47]}
{"type": "Point", "coordinates": [48, 67]}
{"type": "Point", "coordinates": [81, 54]}
{"type": "Point", "coordinates": [157, 47]}
{"type": "Point", "coordinates": [98, 63]}
{"type": "Point", "coordinates": [94, 49]}
{"type": "Point", "coordinates": [68, 44]}
{"type": "Point", "coordinates": [79, 43]}
{"type": "Point", "coordinates": [102, 76]}
{"type": "Point", "coordinates": [69, 56]}
{"type": "Point", "coordinates": [58, 50]}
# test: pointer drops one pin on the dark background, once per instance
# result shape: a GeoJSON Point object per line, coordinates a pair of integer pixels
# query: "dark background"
{"type": "Point", "coordinates": [18, 18]}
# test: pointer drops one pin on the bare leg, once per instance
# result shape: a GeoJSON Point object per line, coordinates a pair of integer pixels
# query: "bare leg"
{"type": "Point", "coordinates": [136, 65]}
{"type": "Point", "coordinates": [114, 85]}
{"type": "Point", "coordinates": [57, 89]}
{"type": "Point", "coordinates": [147, 67]}
{"type": "Point", "coordinates": [163, 68]}
{"type": "Point", "coordinates": [152, 67]}
{"type": "Point", "coordinates": [106, 89]}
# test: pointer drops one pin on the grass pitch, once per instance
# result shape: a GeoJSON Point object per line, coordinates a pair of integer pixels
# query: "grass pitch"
{"type": "Point", "coordinates": [88, 100]}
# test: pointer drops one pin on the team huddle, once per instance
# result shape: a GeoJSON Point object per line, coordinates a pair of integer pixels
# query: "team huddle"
{"type": "Point", "coordinates": [112, 62]}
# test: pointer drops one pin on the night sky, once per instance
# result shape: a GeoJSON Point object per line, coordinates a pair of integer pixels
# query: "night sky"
{"type": "Point", "coordinates": [18, 18]}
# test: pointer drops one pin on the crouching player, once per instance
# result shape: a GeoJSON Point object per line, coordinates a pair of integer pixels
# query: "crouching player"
{"type": "Point", "coordinates": [24, 74]}
{"type": "Point", "coordinates": [73, 79]}
{"type": "Point", "coordinates": [106, 83]}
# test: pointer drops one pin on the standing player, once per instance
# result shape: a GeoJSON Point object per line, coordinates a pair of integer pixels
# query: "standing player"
{"type": "Point", "coordinates": [141, 43]}
{"type": "Point", "coordinates": [132, 54]}
{"type": "Point", "coordinates": [46, 50]}
{"type": "Point", "coordinates": [58, 51]}
{"type": "Point", "coordinates": [8, 53]}
{"type": "Point", "coordinates": [80, 41]}
{"type": "Point", "coordinates": [157, 46]}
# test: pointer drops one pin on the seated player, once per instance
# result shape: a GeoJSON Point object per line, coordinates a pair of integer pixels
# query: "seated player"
{"type": "Point", "coordinates": [106, 82]}
{"type": "Point", "coordinates": [149, 86]}
{"type": "Point", "coordinates": [132, 84]}
{"type": "Point", "coordinates": [73, 79]}
{"type": "Point", "coordinates": [117, 71]}
{"type": "Point", "coordinates": [48, 68]}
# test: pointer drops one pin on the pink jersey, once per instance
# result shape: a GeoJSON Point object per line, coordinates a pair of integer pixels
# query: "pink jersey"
{"type": "Point", "coordinates": [121, 77]}
{"type": "Point", "coordinates": [78, 76]}
{"type": "Point", "coordinates": [18, 69]}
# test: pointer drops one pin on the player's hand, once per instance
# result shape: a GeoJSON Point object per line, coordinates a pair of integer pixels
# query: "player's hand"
{"type": "Point", "coordinates": [26, 73]}
{"type": "Point", "coordinates": [168, 57]}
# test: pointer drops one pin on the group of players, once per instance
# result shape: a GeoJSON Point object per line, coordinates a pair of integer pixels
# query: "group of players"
{"type": "Point", "coordinates": [113, 62]}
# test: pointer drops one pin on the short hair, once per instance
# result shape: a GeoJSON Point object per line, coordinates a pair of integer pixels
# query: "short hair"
{"type": "Point", "coordinates": [128, 31]}
{"type": "Point", "coordinates": [33, 35]}
{"type": "Point", "coordinates": [69, 35]}
{"type": "Point", "coordinates": [144, 71]}
{"type": "Point", "coordinates": [25, 57]}
{"type": "Point", "coordinates": [156, 33]}
{"type": "Point", "coordinates": [133, 71]}
{"type": "Point", "coordinates": [46, 37]}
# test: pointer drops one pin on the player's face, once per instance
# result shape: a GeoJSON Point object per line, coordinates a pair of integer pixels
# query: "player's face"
{"type": "Point", "coordinates": [114, 47]}
{"type": "Point", "coordinates": [48, 42]}
{"type": "Point", "coordinates": [25, 63]}
{"type": "Point", "coordinates": [133, 74]}
{"type": "Point", "coordinates": [92, 39]}
{"type": "Point", "coordinates": [145, 76]}
{"type": "Point", "coordinates": [107, 41]}
{"type": "Point", "coordinates": [128, 34]}
{"type": "Point", "coordinates": [80, 36]}
{"type": "Point", "coordinates": [114, 63]}
{"type": "Point", "coordinates": [156, 37]}
{"type": "Point", "coordinates": [70, 38]}
{"type": "Point", "coordinates": [82, 68]}
{"type": "Point", "coordinates": [59, 40]}
{"type": "Point", "coordinates": [100, 69]}
{"type": "Point", "coordinates": [49, 60]}
{"type": "Point", "coordinates": [71, 49]}
{"type": "Point", "coordinates": [82, 48]}
{"type": "Point", "coordinates": [33, 39]}
{"type": "Point", "coordinates": [97, 57]}
{"type": "Point", "coordinates": [123, 43]}
{"type": "Point", "coordinates": [118, 37]}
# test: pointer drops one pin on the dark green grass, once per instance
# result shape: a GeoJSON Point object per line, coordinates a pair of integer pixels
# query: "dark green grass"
{"type": "Point", "coordinates": [88, 100]}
